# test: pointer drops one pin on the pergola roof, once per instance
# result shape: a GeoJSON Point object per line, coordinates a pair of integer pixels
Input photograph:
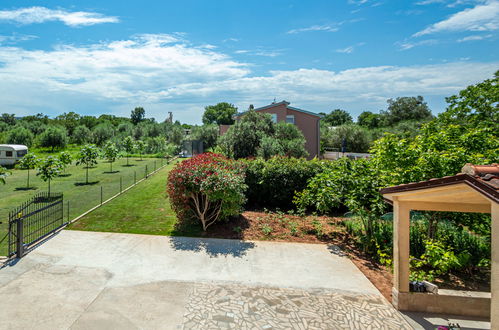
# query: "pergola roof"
{"type": "Point", "coordinates": [473, 190]}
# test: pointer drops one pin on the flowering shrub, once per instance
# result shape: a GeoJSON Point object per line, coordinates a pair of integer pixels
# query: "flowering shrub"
{"type": "Point", "coordinates": [208, 187]}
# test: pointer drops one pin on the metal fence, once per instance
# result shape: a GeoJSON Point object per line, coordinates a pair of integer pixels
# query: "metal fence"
{"type": "Point", "coordinates": [34, 220]}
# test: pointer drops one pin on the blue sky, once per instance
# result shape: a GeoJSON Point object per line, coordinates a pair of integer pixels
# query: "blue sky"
{"type": "Point", "coordinates": [97, 57]}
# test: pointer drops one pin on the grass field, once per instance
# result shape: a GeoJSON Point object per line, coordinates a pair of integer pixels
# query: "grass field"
{"type": "Point", "coordinates": [80, 196]}
{"type": "Point", "coordinates": [144, 209]}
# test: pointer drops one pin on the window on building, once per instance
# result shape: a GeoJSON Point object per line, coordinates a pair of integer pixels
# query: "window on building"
{"type": "Point", "coordinates": [274, 117]}
{"type": "Point", "coordinates": [8, 153]}
{"type": "Point", "coordinates": [21, 153]}
{"type": "Point", "coordinates": [290, 119]}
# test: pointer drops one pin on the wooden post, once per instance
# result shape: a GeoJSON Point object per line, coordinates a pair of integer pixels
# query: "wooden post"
{"type": "Point", "coordinates": [401, 227]}
{"type": "Point", "coordinates": [494, 273]}
{"type": "Point", "coordinates": [20, 237]}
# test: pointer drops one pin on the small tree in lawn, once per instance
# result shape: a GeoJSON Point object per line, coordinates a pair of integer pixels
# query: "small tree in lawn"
{"type": "Point", "coordinates": [28, 162]}
{"type": "Point", "coordinates": [129, 145]}
{"type": "Point", "coordinates": [88, 157]}
{"type": "Point", "coordinates": [111, 153]}
{"type": "Point", "coordinates": [140, 146]}
{"type": "Point", "coordinates": [48, 169]}
{"type": "Point", "coordinates": [66, 159]}
{"type": "Point", "coordinates": [3, 174]}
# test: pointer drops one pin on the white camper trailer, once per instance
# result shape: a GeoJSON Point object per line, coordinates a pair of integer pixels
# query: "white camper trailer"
{"type": "Point", "coordinates": [11, 153]}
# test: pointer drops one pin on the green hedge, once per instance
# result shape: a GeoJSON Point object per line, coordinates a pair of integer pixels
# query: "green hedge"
{"type": "Point", "coordinates": [273, 182]}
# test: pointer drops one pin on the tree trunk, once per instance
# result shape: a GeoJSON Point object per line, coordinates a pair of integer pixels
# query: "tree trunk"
{"type": "Point", "coordinates": [49, 187]}
{"type": "Point", "coordinates": [28, 180]}
{"type": "Point", "coordinates": [87, 176]}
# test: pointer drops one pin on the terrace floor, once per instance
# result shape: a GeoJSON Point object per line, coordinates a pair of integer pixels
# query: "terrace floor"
{"type": "Point", "coordinates": [92, 280]}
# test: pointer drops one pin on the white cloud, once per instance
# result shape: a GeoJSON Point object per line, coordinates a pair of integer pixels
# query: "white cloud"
{"type": "Point", "coordinates": [15, 38]}
{"type": "Point", "coordinates": [483, 17]}
{"type": "Point", "coordinates": [41, 14]}
{"type": "Point", "coordinates": [165, 73]}
{"type": "Point", "coordinates": [475, 37]}
{"type": "Point", "coordinates": [326, 28]}
{"type": "Point", "coordinates": [405, 45]}
{"type": "Point", "coordinates": [346, 50]}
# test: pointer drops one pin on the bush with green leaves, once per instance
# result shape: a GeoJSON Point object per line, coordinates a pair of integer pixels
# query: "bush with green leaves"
{"type": "Point", "coordinates": [140, 146]}
{"type": "Point", "coordinates": [206, 188]}
{"type": "Point", "coordinates": [88, 157]}
{"type": "Point", "coordinates": [66, 159]}
{"type": "Point", "coordinates": [28, 162]}
{"type": "Point", "coordinates": [48, 169]}
{"type": "Point", "coordinates": [81, 134]}
{"type": "Point", "coordinates": [273, 182]}
{"type": "Point", "coordinates": [53, 137]}
{"type": "Point", "coordinates": [20, 135]}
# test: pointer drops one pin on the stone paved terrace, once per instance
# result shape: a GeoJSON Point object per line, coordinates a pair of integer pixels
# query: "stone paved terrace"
{"type": "Point", "coordinates": [85, 280]}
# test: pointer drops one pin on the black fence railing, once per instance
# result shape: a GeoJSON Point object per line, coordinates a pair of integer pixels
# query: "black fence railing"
{"type": "Point", "coordinates": [34, 220]}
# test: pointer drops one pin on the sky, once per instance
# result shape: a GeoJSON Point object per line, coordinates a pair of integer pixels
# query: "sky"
{"type": "Point", "coordinates": [107, 57]}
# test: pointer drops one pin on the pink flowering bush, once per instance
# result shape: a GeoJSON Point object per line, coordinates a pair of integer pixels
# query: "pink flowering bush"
{"type": "Point", "coordinates": [207, 187]}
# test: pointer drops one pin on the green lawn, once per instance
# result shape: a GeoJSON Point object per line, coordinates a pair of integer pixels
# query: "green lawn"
{"type": "Point", "coordinates": [81, 197]}
{"type": "Point", "coordinates": [144, 209]}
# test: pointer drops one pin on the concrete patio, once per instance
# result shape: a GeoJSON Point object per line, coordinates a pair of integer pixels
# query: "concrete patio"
{"type": "Point", "coordinates": [89, 280]}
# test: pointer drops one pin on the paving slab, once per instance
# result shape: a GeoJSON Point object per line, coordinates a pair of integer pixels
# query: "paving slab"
{"type": "Point", "coordinates": [89, 280]}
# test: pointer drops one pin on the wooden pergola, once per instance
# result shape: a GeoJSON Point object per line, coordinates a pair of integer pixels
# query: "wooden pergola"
{"type": "Point", "coordinates": [476, 189]}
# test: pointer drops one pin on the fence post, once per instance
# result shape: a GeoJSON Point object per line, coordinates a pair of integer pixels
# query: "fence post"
{"type": "Point", "coordinates": [68, 211]}
{"type": "Point", "coordinates": [20, 237]}
{"type": "Point", "coordinates": [134, 177]}
{"type": "Point", "coordinates": [121, 184]}
{"type": "Point", "coordinates": [146, 173]}
{"type": "Point", "coordinates": [100, 195]}
{"type": "Point", "coordinates": [155, 165]}
{"type": "Point", "coordinates": [161, 161]}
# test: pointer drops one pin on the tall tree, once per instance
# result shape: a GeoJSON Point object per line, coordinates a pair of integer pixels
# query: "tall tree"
{"type": "Point", "coordinates": [138, 114]}
{"type": "Point", "coordinates": [369, 119]}
{"type": "Point", "coordinates": [54, 137]}
{"type": "Point", "coordinates": [206, 133]}
{"type": "Point", "coordinates": [337, 117]}
{"type": "Point", "coordinates": [221, 114]}
{"type": "Point", "coordinates": [9, 119]}
{"type": "Point", "coordinates": [88, 157]}
{"type": "Point", "coordinates": [28, 162]}
{"type": "Point", "coordinates": [406, 108]}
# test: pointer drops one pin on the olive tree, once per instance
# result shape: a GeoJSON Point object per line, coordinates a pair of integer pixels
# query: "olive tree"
{"type": "Point", "coordinates": [140, 146]}
{"type": "Point", "coordinates": [87, 157]}
{"type": "Point", "coordinates": [28, 162]}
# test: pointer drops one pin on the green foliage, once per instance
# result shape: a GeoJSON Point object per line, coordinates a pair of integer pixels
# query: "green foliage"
{"type": "Point", "coordinates": [9, 119]}
{"type": "Point", "coordinates": [244, 137]}
{"type": "Point", "coordinates": [207, 187]}
{"type": "Point", "coordinates": [129, 146]}
{"type": "Point", "coordinates": [405, 108]}
{"type": "Point", "coordinates": [356, 137]}
{"type": "Point", "coordinates": [20, 135]}
{"type": "Point", "coordinates": [140, 146]}
{"type": "Point", "coordinates": [81, 134]}
{"type": "Point", "coordinates": [88, 157]}
{"type": "Point", "coordinates": [3, 174]}
{"type": "Point", "coordinates": [138, 114]}
{"type": "Point", "coordinates": [28, 162]}
{"type": "Point", "coordinates": [221, 114]}
{"type": "Point", "coordinates": [53, 137]}
{"type": "Point", "coordinates": [110, 152]}
{"type": "Point", "coordinates": [337, 117]}
{"type": "Point", "coordinates": [206, 133]}
{"type": "Point", "coordinates": [101, 133]}
{"type": "Point", "coordinates": [369, 120]}
{"type": "Point", "coordinates": [65, 158]}
{"type": "Point", "coordinates": [254, 134]}
{"type": "Point", "coordinates": [48, 169]}
{"type": "Point", "coordinates": [273, 182]}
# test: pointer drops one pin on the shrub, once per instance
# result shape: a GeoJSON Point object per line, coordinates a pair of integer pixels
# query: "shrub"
{"type": "Point", "coordinates": [208, 187]}
{"type": "Point", "coordinates": [20, 135]}
{"type": "Point", "coordinates": [273, 182]}
{"type": "Point", "coordinates": [53, 137]}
